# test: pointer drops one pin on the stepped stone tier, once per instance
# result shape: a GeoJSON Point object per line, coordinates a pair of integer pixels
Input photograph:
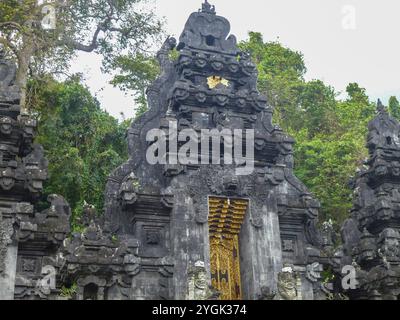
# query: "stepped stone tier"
{"type": "Point", "coordinates": [217, 233]}
{"type": "Point", "coordinates": [29, 240]}
{"type": "Point", "coordinates": [371, 237]}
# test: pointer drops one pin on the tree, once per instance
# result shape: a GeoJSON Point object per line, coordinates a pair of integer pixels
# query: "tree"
{"type": "Point", "coordinates": [394, 107]}
{"type": "Point", "coordinates": [44, 35]}
{"type": "Point", "coordinates": [318, 104]}
{"type": "Point", "coordinates": [329, 133]}
{"type": "Point", "coordinates": [82, 142]}
{"type": "Point", "coordinates": [281, 76]}
{"type": "Point", "coordinates": [136, 75]}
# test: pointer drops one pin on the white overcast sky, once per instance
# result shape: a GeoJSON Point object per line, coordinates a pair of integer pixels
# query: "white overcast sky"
{"type": "Point", "coordinates": [342, 41]}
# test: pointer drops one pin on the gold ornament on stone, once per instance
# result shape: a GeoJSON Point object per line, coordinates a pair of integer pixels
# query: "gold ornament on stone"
{"type": "Point", "coordinates": [225, 220]}
{"type": "Point", "coordinates": [214, 81]}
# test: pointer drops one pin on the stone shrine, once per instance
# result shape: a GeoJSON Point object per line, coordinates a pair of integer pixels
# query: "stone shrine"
{"type": "Point", "coordinates": [231, 234]}
{"type": "Point", "coordinates": [371, 237]}
{"type": "Point", "coordinates": [29, 240]}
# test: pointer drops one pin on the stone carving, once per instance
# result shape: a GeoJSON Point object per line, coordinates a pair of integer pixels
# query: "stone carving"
{"type": "Point", "coordinates": [373, 230]}
{"type": "Point", "coordinates": [313, 271]}
{"type": "Point", "coordinates": [6, 125]}
{"type": "Point", "coordinates": [9, 92]}
{"type": "Point", "coordinates": [287, 245]}
{"type": "Point", "coordinates": [28, 265]}
{"type": "Point", "coordinates": [207, 8]}
{"type": "Point", "coordinates": [211, 85]}
{"type": "Point", "coordinates": [389, 245]}
{"type": "Point", "coordinates": [6, 232]}
{"type": "Point", "coordinates": [129, 189]}
{"type": "Point", "coordinates": [289, 284]}
{"type": "Point", "coordinates": [153, 237]}
{"type": "Point", "coordinates": [7, 178]}
{"type": "Point", "coordinates": [23, 169]}
{"type": "Point", "coordinates": [198, 288]}
{"type": "Point", "coordinates": [266, 294]}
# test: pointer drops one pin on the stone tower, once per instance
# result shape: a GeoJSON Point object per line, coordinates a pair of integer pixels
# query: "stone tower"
{"type": "Point", "coordinates": [209, 229]}
{"type": "Point", "coordinates": [371, 236]}
{"type": "Point", "coordinates": [29, 240]}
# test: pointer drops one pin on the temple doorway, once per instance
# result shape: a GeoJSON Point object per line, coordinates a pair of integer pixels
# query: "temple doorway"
{"type": "Point", "coordinates": [226, 216]}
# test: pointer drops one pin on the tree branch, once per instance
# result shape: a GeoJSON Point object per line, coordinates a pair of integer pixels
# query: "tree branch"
{"type": "Point", "coordinates": [11, 24]}
{"type": "Point", "coordinates": [81, 47]}
{"type": "Point", "coordinates": [8, 44]}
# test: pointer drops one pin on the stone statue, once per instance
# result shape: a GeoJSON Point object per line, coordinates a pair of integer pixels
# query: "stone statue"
{"type": "Point", "coordinates": [289, 284]}
{"type": "Point", "coordinates": [198, 288]}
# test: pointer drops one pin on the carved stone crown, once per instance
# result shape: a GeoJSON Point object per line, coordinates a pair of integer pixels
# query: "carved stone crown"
{"type": "Point", "coordinates": [207, 8]}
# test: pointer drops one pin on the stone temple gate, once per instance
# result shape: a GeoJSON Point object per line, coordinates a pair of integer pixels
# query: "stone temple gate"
{"type": "Point", "coordinates": [239, 230]}
{"type": "Point", "coordinates": [195, 229]}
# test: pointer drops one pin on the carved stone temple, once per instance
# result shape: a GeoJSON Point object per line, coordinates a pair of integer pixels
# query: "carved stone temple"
{"type": "Point", "coordinates": [371, 237]}
{"type": "Point", "coordinates": [204, 227]}
{"type": "Point", "coordinates": [29, 240]}
{"type": "Point", "coordinates": [203, 230]}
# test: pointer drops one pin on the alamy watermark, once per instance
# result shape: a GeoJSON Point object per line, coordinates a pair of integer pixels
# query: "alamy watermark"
{"type": "Point", "coordinates": [48, 280]}
{"type": "Point", "coordinates": [349, 17]}
{"type": "Point", "coordinates": [349, 280]}
{"type": "Point", "coordinates": [204, 148]}
{"type": "Point", "coordinates": [49, 12]}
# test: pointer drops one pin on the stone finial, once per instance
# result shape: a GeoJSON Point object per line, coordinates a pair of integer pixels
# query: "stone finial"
{"type": "Point", "coordinates": [207, 8]}
{"type": "Point", "coordinates": [380, 107]}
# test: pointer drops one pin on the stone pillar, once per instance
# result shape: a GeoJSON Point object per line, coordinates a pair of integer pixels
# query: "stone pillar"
{"type": "Point", "coordinates": [8, 265]}
{"type": "Point", "coordinates": [260, 253]}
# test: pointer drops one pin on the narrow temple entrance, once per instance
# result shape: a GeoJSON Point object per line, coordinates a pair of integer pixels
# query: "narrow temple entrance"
{"type": "Point", "coordinates": [225, 219]}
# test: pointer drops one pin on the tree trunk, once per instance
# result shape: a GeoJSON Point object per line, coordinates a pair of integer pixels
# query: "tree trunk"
{"type": "Point", "coordinates": [24, 60]}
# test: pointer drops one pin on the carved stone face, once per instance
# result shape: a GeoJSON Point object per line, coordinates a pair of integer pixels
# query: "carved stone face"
{"type": "Point", "coordinates": [153, 237]}
{"type": "Point", "coordinates": [287, 285]}
{"type": "Point", "coordinates": [185, 61]}
{"type": "Point", "coordinates": [129, 197]}
{"type": "Point", "coordinates": [231, 183]}
{"type": "Point", "coordinates": [201, 280]}
{"type": "Point", "coordinates": [6, 183]}
{"type": "Point", "coordinates": [129, 189]}
{"type": "Point", "coordinates": [172, 42]}
{"type": "Point", "coordinates": [201, 60]}
{"type": "Point", "coordinates": [234, 67]}
{"type": "Point", "coordinates": [181, 94]}
{"type": "Point", "coordinates": [7, 179]}
{"type": "Point", "coordinates": [221, 99]}
{"type": "Point", "coordinates": [217, 64]}
{"type": "Point", "coordinates": [5, 126]}
{"type": "Point", "coordinates": [201, 97]}
{"type": "Point", "coordinates": [391, 247]}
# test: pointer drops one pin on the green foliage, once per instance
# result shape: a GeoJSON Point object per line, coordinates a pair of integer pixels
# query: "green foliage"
{"type": "Point", "coordinates": [114, 29]}
{"type": "Point", "coordinates": [68, 293]}
{"type": "Point", "coordinates": [136, 74]}
{"type": "Point", "coordinates": [394, 107]}
{"type": "Point", "coordinates": [281, 72]}
{"type": "Point", "coordinates": [330, 133]}
{"type": "Point", "coordinates": [83, 143]}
